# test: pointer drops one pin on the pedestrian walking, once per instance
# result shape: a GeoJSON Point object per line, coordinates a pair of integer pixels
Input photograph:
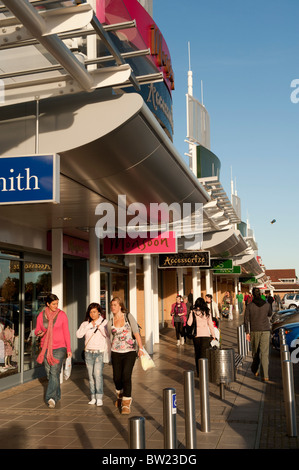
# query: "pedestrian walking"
{"type": "Point", "coordinates": [201, 327]}
{"type": "Point", "coordinates": [257, 328]}
{"type": "Point", "coordinates": [125, 340]}
{"type": "Point", "coordinates": [179, 318]}
{"type": "Point", "coordinates": [52, 327]}
{"type": "Point", "coordinates": [240, 299]}
{"type": "Point", "coordinates": [214, 311]}
{"type": "Point", "coordinates": [97, 343]}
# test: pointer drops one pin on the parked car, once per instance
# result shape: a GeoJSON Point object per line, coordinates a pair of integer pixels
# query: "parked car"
{"type": "Point", "coordinates": [289, 321]}
{"type": "Point", "coordinates": [290, 301]}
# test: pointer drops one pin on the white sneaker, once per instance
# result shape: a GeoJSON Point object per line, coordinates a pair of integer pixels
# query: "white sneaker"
{"type": "Point", "coordinates": [92, 401]}
{"type": "Point", "coordinates": [182, 340]}
{"type": "Point", "coordinates": [99, 402]}
{"type": "Point", "coordinates": [51, 403]}
{"type": "Point", "coordinates": [178, 342]}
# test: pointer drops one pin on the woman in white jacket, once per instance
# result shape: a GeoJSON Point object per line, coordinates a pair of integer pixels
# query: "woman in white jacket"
{"type": "Point", "coordinates": [96, 342]}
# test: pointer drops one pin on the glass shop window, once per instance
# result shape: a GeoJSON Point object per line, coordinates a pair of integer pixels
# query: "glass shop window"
{"type": "Point", "coordinates": [9, 317]}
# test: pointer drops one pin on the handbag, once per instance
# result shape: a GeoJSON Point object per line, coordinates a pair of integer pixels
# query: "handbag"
{"type": "Point", "coordinates": [191, 329]}
{"type": "Point", "coordinates": [67, 368]}
{"type": "Point", "coordinates": [146, 361]}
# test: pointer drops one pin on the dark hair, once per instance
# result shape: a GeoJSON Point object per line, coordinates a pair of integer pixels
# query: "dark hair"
{"type": "Point", "coordinates": [122, 305]}
{"type": "Point", "coordinates": [90, 307]}
{"type": "Point", "coordinates": [256, 292]}
{"type": "Point", "coordinates": [209, 295]}
{"type": "Point", "coordinates": [51, 298]}
{"type": "Point", "coordinates": [201, 304]}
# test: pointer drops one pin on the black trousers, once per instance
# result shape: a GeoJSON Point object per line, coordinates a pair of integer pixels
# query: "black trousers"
{"type": "Point", "coordinates": [179, 330]}
{"type": "Point", "coordinates": [201, 343]}
{"type": "Point", "coordinates": [123, 364]}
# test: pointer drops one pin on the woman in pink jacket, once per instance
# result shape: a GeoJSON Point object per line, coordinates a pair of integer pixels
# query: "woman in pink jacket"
{"type": "Point", "coordinates": [179, 318]}
{"type": "Point", "coordinates": [202, 329]}
{"type": "Point", "coordinates": [52, 327]}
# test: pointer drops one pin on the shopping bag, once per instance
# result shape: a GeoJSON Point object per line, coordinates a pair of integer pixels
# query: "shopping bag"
{"type": "Point", "coordinates": [146, 361]}
{"type": "Point", "coordinates": [67, 368]}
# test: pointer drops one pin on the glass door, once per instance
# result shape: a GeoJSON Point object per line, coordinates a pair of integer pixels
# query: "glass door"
{"type": "Point", "coordinates": [9, 317]}
{"type": "Point", "coordinates": [37, 282]}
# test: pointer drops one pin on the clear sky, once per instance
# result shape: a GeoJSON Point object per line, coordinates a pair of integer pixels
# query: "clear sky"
{"type": "Point", "coordinates": [247, 54]}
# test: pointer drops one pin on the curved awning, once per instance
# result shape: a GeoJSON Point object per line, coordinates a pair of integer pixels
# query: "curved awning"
{"type": "Point", "coordinates": [224, 243]}
{"type": "Point", "coordinates": [249, 265]}
{"type": "Point", "coordinates": [108, 145]}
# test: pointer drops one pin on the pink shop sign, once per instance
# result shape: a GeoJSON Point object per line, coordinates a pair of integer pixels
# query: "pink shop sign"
{"type": "Point", "coordinates": [163, 243]}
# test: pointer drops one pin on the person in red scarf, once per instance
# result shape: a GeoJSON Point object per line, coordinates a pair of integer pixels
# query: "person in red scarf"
{"type": "Point", "coordinates": [52, 327]}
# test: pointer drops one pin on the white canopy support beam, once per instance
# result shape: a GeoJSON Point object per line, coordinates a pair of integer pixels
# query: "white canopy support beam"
{"type": "Point", "coordinates": [57, 21]}
{"type": "Point", "coordinates": [35, 23]}
{"type": "Point", "coordinates": [64, 84]}
{"type": "Point", "coordinates": [111, 48]}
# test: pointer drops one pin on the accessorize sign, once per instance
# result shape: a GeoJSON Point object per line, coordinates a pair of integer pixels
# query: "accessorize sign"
{"type": "Point", "coordinates": [183, 260]}
{"type": "Point", "coordinates": [163, 243]}
{"type": "Point", "coordinates": [29, 179]}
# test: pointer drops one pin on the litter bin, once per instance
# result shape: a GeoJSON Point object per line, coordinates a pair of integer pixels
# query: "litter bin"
{"type": "Point", "coordinates": [221, 367]}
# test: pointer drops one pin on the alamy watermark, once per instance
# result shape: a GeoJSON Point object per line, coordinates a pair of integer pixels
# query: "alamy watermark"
{"type": "Point", "coordinates": [140, 220]}
{"type": "Point", "coordinates": [295, 352]}
{"type": "Point", "coordinates": [295, 92]}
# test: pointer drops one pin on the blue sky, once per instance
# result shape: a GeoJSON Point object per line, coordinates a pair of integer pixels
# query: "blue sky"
{"type": "Point", "coordinates": [247, 54]}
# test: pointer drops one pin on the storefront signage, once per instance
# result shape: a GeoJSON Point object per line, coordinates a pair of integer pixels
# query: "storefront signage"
{"type": "Point", "coordinates": [184, 260]}
{"type": "Point", "coordinates": [71, 246]}
{"type": "Point", "coordinates": [233, 270]}
{"type": "Point", "coordinates": [221, 264]}
{"type": "Point", "coordinates": [30, 267]}
{"type": "Point", "coordinates": [248, 280]}
{"type": "Point", "coordinates": [146, 33]}
{"type": "Point", "coordinates": [140, 245]}
{"type": "Point", "coordinates": [29, 179]}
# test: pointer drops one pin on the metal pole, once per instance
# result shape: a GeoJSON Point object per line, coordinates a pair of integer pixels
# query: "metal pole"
{"type": "Point", "coordinates": [289, 398]}
{"type": "Point", "coordinates": [190, 420]}
{"type": "Point", "coordinates": [169, 418]}
{"type": "Point", "coordinates": [240, 340]}
{"type": "Point", "coordinates": [284, 353]}
{"type": "Point", "coordinates": [136, 432]}
{"type": "Point", "coordinates": [37, 125]}
{"type": "Point", "coordinates": [282, 336]}
{"type": "Point", "coordinates": [204, 395]}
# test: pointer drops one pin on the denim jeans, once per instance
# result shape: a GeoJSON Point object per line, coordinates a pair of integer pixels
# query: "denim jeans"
{"type": "Point", "coordinates": [94, 364]}
{"type": "Point", "coordinates": [53, 374]}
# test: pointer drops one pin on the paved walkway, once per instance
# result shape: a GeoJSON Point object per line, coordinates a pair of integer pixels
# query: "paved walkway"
{"type": "Point", "coordinates": [250, 415]}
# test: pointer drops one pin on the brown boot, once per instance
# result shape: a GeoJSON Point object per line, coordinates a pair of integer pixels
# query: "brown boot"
{"type": "Point", "coordinates": [119, 394]}
{"type": "Point", "coordinates": [126, 405]}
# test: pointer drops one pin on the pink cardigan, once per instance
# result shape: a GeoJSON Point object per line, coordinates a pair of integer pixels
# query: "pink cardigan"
{"type": "Point", "coordinates": [184, 313]}
{"type": "Point", "coordinates": [61, 333]}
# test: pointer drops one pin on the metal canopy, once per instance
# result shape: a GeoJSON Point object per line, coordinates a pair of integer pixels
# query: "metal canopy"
{"type": "Point", "coordinates": [213, 186]}
{"type": "Point", "coordinates": [51, 68]}
{"type": "Point", "coordinates": [122, 151]}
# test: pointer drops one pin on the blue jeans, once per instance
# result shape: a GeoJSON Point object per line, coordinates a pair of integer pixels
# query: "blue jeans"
{"type": "Point", "coordinates": [53, 374]}
{"type": "Point", "coordinates": [94, 364]}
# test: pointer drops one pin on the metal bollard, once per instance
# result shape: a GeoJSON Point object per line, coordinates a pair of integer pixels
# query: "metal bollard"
{"type": "Point", "coordinates": [289, 398]}
{"type": "Point", "coordinates": [204, 395]}
{"type": "Point", "coordinates": [282, 336]}
{"type": "Point", "coordinates": [240, 333]}
{"type": "Point", "coordinates": [136, 432]}
{"type": "Point", "coordinates": [284, 353]}
{"type": "Point", "coordinates": [189, 401]}
{"type": "Point", "coordinates": [169, 418]}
